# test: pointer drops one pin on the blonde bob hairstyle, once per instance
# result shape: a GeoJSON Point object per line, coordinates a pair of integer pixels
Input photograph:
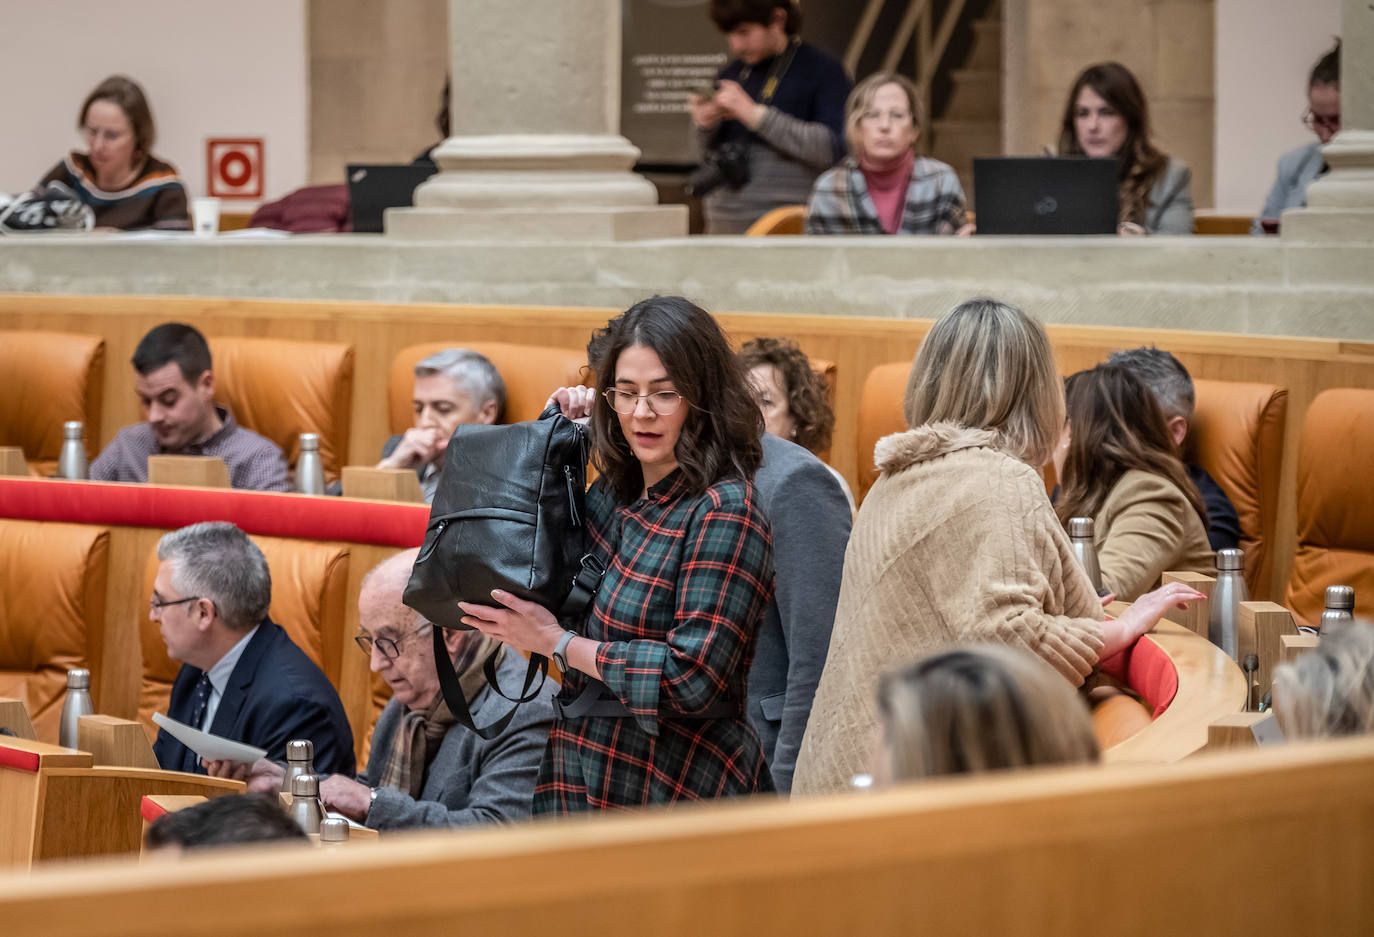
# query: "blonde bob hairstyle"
{"type": "Point", "coordinates": [983, 707]}
{"type": "Point", "coordinates": [987, 365]}
{"type": "Point", "coordinates": [861, 99]}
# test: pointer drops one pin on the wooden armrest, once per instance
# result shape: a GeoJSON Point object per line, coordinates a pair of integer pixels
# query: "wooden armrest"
{"type": "Point", "coordinates": [198, 471]}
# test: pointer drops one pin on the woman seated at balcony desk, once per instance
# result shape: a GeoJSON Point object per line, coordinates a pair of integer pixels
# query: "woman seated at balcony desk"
{"type": "Point", "coordinates": [882, 186]}
{"type": "Point", "coordinates": [118, 177]}
{"type": "Point", "coordinates": [1106, 115]}
{"type": "Point", "coordinates": [1116, 464]}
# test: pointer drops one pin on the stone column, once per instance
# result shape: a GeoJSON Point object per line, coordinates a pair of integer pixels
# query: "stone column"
{"type": "Point", "coordinates": [1340, 205]}
{"type": "Point", "coordinates": [536, 150]}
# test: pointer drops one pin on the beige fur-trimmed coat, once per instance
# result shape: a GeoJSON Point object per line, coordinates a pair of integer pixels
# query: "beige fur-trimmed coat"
{"type": "Point", "coordinates": [955, 543]}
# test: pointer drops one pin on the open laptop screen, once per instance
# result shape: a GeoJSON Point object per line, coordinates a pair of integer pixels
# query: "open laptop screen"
{"type": "Point", "coordinates": [1045, 195]}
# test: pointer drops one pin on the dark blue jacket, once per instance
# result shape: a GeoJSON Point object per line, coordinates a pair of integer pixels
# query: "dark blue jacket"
{"type": "Point", "coordinates": [275, 694]}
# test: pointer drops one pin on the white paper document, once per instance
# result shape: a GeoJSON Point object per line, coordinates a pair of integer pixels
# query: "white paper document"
{"type": "Point", "coordinates": [210, 747]}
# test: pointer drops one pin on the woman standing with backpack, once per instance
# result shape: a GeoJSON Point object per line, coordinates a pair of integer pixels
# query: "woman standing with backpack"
{"type": "Point", "coordinates": [688, 557]}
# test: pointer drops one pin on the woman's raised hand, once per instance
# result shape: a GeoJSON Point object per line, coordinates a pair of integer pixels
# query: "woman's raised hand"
{"type": "Point", "coordinates": [1143, 615]}
{"type": "Point", "coordinates": [575, 402]}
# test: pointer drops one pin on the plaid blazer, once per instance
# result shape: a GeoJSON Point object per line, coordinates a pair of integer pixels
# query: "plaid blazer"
{"type": "Point", "coordinates": [840, 203]}
{"type": "Point", "coordinates": [677, 615]}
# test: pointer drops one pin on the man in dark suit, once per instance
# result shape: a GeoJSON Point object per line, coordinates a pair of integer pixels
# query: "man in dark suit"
{"type": "Point", "coordinates": [242, 677]}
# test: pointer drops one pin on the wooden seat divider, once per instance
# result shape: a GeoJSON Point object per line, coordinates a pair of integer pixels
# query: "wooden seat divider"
{"type": "Point", "coordinates": [1037, 853]}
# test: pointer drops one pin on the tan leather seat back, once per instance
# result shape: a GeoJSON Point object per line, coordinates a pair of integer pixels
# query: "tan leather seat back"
{"type": "Point", "coordinates": [880, 414]}
{"type": "Point", "coordinates": [49, 378]}
{"type": "Point", "coordinates": [309, 600]}
{"type": "Point", "coordinates": [52, 613]}
{"type": "Point", "coordinates": [280, 389]}
{"type": "Point", "coordinates": [530, 373]}
{"type": "Point", "coordinates": [1335, 504]}
{"type": "Point", "coordinates": [1238, 438]}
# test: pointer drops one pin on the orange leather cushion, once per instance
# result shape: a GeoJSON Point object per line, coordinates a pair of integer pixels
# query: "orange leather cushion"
{"type": "Point", "coordinates": [880, 414]}
{"type": "Point", "coordinates": [52, 613]}
{"type": "Point", "coordinates": [1335, 504]}
{"type": "Point", "coordinates": [50, 377]}
{"type": "Point", "coordinates": [1238, 437]}
{"type": "Point", "coordinates": [281, 389]}
{"type": "Point", "coordinates": [309, 600]}
{"type": "Point", "coordinates": [530, 373]}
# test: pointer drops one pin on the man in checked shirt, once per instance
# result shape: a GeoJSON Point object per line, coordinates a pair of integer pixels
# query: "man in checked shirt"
{"type": "Point", "coordinates": [176, 385]}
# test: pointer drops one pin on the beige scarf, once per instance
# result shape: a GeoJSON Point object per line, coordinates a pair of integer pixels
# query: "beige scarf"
{"type": "Point", "coordinates": [420, 734]}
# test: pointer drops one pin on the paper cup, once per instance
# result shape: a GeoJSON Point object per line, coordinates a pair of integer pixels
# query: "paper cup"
{"type": "Point", "coordinates": [205, 216]}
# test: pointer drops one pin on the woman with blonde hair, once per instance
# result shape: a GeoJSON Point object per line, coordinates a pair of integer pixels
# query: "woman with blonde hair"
{"type": "Point", "coordinates": [957, 541]}
{"type": "Point", "coordinates": [882, 186]}
{"type": "Point", "coordinates": [980, 708]}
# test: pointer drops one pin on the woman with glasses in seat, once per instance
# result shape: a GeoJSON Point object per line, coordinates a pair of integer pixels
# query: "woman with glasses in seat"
{"type": "Point", "coordinates": [882, 186]}
{"type": "Point", "coordinates": [1107, 115]}
{"type": "Point", "coordinates": [675, 438]}
{"type": "Point", "coordinates": [1300, 168]}
{"type": "Point", "coordinates": [118, 177]}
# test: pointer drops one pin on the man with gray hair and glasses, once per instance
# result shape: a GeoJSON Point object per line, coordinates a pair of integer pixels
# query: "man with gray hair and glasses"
{"type": "Point", "coordinates": [1172, 386]}
{"type": "Point", "coordinates": [426, 769]}
{"type": "Point", "coordinates": [452, 387]}
{"type": "Point", "coordinates": [241, 677]}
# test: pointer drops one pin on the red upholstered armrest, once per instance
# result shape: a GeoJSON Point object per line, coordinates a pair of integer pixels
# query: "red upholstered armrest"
{"type": "Point", "coordinates": [255, 512]}
{"type": "Point", "coordinates": [1146, 669]}
{"type": "Point", "coordinates": [18, 759]}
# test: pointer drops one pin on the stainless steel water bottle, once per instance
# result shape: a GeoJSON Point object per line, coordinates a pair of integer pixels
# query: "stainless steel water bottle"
{"type": "Point", "coordinates": [306, 808]}
{"type": "Point", "coordinates": [300, 759]}
{"type": "Point", "coordinates": [77, 704]}
{"type": "Point", "coordinates": [1081, 536]}
{"type": "Point", "coordinates": [333, 831]}
{"type": "Point", "coordinates": [71, 461]}
{"type": "Point", "coordinates": [1223, 619]}
{"type": "Point", "coordinates": [1340, 609]}
{"type": "Point", "coordinates": [309, 469]}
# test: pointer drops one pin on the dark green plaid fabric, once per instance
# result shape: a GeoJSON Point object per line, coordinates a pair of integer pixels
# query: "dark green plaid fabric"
{"type": "Point", "coordinates": [678, 612]}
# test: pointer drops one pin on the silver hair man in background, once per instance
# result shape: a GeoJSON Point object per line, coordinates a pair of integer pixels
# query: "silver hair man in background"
{"type": "Point", "coordinates": [1172, 386]}
{"type": "Point", "coordinates": [452, 387]}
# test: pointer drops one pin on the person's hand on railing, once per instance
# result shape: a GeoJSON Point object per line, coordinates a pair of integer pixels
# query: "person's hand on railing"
{"type": "Point", "coordinates": [1120, 633]}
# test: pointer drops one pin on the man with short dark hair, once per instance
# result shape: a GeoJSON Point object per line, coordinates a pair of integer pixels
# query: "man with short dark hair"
{"type": "Point", "coordinates": [1299, 168]}
{"type": "Point", "coordinates": [176, 386]}
{"type": "Point", "coordinates": [775, 121]}
{"type": "Point", "coordinates": [1172, 386]}
{"type": "Point", "coordinates": [242, 677]}
{"type": "Point", "coordinates": [222, 821]}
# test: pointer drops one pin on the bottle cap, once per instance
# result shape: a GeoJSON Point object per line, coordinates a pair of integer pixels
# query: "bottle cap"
{"type": "Point", "coordinates": [72, 429]}
{"type": "Point", "coordinates": [1342, 597]}
{"type": "Point", "coordinates": [79, 679]}
{"type": "Point", "coordinates": [333, 830]}
{"type": "Point", "coordinates": [310, 442]}
{"type": "Point", "coordinates": [1080, 527]}
{"type": "Point", "coordinates": [305, 785]}
{"type": "Point", "coordinates": [300, 750]}
{"type": "Point", "coordinates": [1230, 558]}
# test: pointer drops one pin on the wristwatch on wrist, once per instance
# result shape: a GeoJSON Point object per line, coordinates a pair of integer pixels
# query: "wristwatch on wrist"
{"type": "Point", "coordinates": [560, 649]}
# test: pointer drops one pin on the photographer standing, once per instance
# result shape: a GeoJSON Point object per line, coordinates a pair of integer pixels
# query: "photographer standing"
{"type": "Point", "coordinates": [775, 121]}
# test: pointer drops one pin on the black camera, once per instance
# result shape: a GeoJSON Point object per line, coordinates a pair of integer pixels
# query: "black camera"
{"type": "Point", "coordinates": [726, 164]}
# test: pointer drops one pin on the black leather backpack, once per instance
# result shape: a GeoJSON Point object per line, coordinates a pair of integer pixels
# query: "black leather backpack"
{"type": "Point", "coordinates": [508, 514]}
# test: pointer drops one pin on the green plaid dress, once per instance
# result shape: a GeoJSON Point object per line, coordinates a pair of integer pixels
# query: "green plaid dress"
{"type": "Point", "coordinates": [687, 579]}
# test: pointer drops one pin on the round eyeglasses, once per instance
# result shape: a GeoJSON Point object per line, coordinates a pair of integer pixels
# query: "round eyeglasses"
{"type": "Point", "coordinates": [1313, 120]}
{"type": "Point", "coordinates": [390, 648]}
{"type": "Point", "coordinates": [661, 402]}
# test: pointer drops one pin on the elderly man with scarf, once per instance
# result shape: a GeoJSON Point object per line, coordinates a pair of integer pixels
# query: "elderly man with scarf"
{"type": "Point", "coordinates": [424, 769]}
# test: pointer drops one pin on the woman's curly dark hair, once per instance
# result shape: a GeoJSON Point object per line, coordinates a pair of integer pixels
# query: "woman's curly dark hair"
{"type": "Point", "coordinates": [721, 435]}
{"type": "Point", "coordinates": [807, 398]}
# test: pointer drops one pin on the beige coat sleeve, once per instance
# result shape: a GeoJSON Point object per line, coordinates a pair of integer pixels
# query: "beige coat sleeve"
{"type": "Point", "coordinates": [1034, 595]}
{"type": "Point", "coordinates": [1139, 533]}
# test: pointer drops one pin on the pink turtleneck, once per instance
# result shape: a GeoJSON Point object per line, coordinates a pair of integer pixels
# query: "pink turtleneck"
{"type": "Point", "coordinates": [887, 184]}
